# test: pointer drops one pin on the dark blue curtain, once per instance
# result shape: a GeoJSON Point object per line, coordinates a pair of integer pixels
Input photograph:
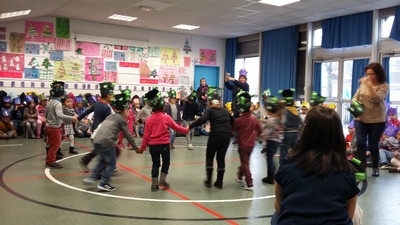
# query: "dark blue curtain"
{"type": "Point", "coordinates": [279, 58]}
{"type": "Point", "coordinates": [395, 32]}
{"type": "Point", "coordinates": [230, 58]}
{"type": "Point", "coordinates": [317, 78]}
{"type": "Point", "coordinates": [358, 72]}
{"type": "Point", "coordinates": [385, 65]}
{"type": "Point", "coordinates": [347, 31]}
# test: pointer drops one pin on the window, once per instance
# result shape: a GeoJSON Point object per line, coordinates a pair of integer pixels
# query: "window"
{"type": "Point", "coordinates": [347, 77]}
{"type": "Point", "coordinates": [387, 24]}
{"type": "Point", "coordinates": [394, 79]}
{"type": "Point", "coordinates": [329, 80]}
{"type": "Point", "coordinates": [252, 65]}
{"type": "Point", "coordinates": [317, 37]}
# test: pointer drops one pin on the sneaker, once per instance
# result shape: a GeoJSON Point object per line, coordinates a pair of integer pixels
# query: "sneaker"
{"type": "Point", "coordinates": [384, 167]}
{"type": "Point", "coordinates": [115, 169]}
{"type": "Point", "coordinates": [59, 157]}
{"type": "Point", "coordinates": [89, 180]}
{"type": "Point", "coordinates": [238, 178]}
{"type": "Point", "coordinates": [190, 146]}
{"type": "Point", "coordinates": [83, 166]}
{"type": "Point", "coordinates": [247, 187]}
{"type": "Point", "coordinates": [106, 187]}
{"type": "Point", "coordinates": [54, 166]}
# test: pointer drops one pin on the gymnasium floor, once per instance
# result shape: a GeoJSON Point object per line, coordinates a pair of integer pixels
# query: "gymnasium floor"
{"type": "Point", "coordinates": [31, 194]}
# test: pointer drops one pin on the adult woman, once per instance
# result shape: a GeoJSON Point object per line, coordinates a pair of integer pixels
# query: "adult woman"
{"type": "Point", "coordinates": [370, 124]}
{"type": "Point", "coordinates": [202, 94]}
{"type": "Point", "coordinates": [316, 184]}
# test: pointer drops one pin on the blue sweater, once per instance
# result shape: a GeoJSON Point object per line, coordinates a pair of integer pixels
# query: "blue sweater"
{"type": "Point", "coordinates": [101, 111]}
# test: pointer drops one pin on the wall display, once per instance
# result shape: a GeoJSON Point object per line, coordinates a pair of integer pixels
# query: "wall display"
{"type": "Point", "coordinates": [119, 56]}
{"type": "Point", "coordinates": [87, 48]}
{"type": "Point", "coordinates": [154, 52]}
{"type": "Point", "coordinates": [36, 31]}
{"type": "Point", "coordinates": [56, 55]}
{"type": "Point", "coordinates": [3, 46]}
{"type": "Point", "coordinates": [94, 69]}
{"type": "Point", "coordinates": [168, 75]}
{"type": "Point", "coordinates": [186, 61]}
{"type": "Point", "coordinates": [33, 63]}
{"type": "Point", "coordinates": [2, 33]}
{"type": "Point", "coordinates": [146, 75]}
{"type": "Point", "coordinates": [111, 76]}
{"type": "Point", "coordinates": [33, 49]}
{"type": "Point", "coordinates": [69, 69]}
{"type": "Point", "coordinates": [208, 57]}
{"type": "Point", "coordinates": [186, 47]}
{"type": "Point", "coordinates": [121, 47]}
{"type": "Point", "coordinates": [46, 73]}
{"type": "Point", "coordinates": [107, 51]}
{"type": "Point", "coordinates": [46, 48]}
{"type": "Point", "coordinates": [31, 73]}
{"type": "Point", "coordinates": [62, 44]}
{"type": "Point", "coordinates": [110, 66]}
{"type": "Point", "coordinates": [11, 65]}
{"type": "Point", "coordinates": [17, 42]}
{"type": "Point", "coordinates": [170, 56]}
{"type": "Point", "coordinates": [62, 28]}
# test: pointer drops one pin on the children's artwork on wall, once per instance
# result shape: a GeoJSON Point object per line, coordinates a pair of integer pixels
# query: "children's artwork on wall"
{"type": "Point", "coordinates": [11, 65]}
{"type": "Point", "coordinates": [17, 42]}
{"type": "Point", "coordinates": [186, 47]}
{"type": "Point", "coordinates": [62, 28]}
{"type": "Point", "coordinates": [31, 73]}
{"type": "Point", "coordinates": [168, 75]}
{"type": "Point", "coordinates": [62, 44]}
{"type": "Point", "coordinates": [154, 52]}
{"type": "Point", "coordinates": [107, 51]}
{"type": "Point", "coordinates": [2, 33]}
{"type": "Point", "coordinates": [195, 61]}
{"type": "Point", "coordinates": [36, 31]}
{"type": "Point", "coordinates": [68, 69]}
{"type": "Point", "coordinates": [170, 56]}
{"type": "Point", "coordinates": [88, 49]}
{"type": "Point", "coordinates": [143, 56]}
{"type": "Point", "coordinates": [132, 56]}
{"type": "Point", "coordinates": [33, 63]}
{"type": "Point", "coordinates": [56, 55]}
{"type": "Point", "coordinates": [129, 64]}
{"type": "Point", "coordinates": [110, 66]}
{"type": "Point", "coordinates": [121, 47]}
{"type": "Point", "coordinates": [3, 46]}
{"type": "Point", "coordinates": [33, 49]}
{"type": "Point", "coordinates": [94, 69]}
{"type": "Point", "coordinates": [46, 72]}
{"type": "Point", "coordinates": [186, 61]}
{"type": "Point", "coordinates": [184, 80]}
{"type": "Point", "coordinates": [119, 56]}
{"type": "Point", "coordinates": [111, 76]}
{"type": "Point", "coordinates": [46, 48]}
{"type": "Point", "coordinates": [146, 74]}
{"type": "Point", "coordinates": [208, 57]}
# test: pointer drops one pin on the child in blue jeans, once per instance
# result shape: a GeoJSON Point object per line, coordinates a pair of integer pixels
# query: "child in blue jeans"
{"type": "Point", "coordinates": [174, 111]}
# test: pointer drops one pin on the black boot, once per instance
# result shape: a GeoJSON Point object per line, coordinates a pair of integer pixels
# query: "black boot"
{"type": "Point", "coordinates": [269, 179]}
{"type": "Point", "coordinates": [163, 180]}
{"type": "Point", "coordinates": [59, 154]}
{"type": "Point", "coordinates": [375, 172]}
{"type": "Point", "coordinates": [47, 150]}
{"type": "Point", "coordinates": [72, 150]}
{"type": "Point", "coordinates": [220, 177]}
{"type": "Point", "coordinates": [207, 181]}
{"type": "Point", "coordinates": [154, 183]}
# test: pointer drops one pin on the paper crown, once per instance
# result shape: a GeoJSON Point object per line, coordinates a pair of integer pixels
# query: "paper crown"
{"type": "Point", "coordinates": [192, 97]}
{"type": "Point", "coordinates": [28, 99]}
{"type": "Point", "coordinates": [316, 99]}
{"type": "Point", "coordinates": [5, 113]}
{"type": "Point", "coordinates": [121, 101]}
{"type": "Point", "coordinates": [154, 99]}
{"type": "Point", "coordinates": [356, 109]}
{"type": "Point", "coordinates": [79, 99]}
{"type": "Point", "coordinates": [392, 111]}
{"type": "Point", "coordinates": [351, 125]}
{"type": "Point", "coordinates": [391, 130]}
{"type": "Point", "coordinates": [42, 97]}
{"type": "Point", "coordinates": [305, 104]}
{"type": "Point", "coordinates": [228, 106]}
{"type": "Point", "coordinates": [244, 101]}
{"type": "Point", "coordinates": [91, 99]}
{"type": "Point", "coordinates": [7, 99]}
{"type": "Point", "coordinates": [17, 101]}
{"type": "Point", "coordinates": [243, 72]}
{"type": "Point", "coordinates": [171, 94]}
{"type": "Point", "coordinates": [266, 93]}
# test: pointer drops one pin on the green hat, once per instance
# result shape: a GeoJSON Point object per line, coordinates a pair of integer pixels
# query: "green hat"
{"type": "Point", "coordinates": [243, 101]}
{"type": "Point", "coordinates": [316, 99]}
{"type": "Point", "coordinates": [266, 93]}
{"type": "Point", "coordinates": [287, 96]}
{"type": "Point", "coordinates": [107, 88]}
{"type": "Point", "coordinates": [192, 97]}
{"type": "Point", "coordinates": [272, 104]}
{"type": "Point", "coordinates": [57, 88]}
{"type": "Point", "coordinates": [121, 102]}
{"type": "Point", "coordinates": [154, 99]}
{"type": "Point", "coordinates": [356, 108]}
{"type": "Point", "coordinates": [126, 92]}
{"type": "Point", "coordinates": [171, 94]}
{"type": "Point", "coordinates": [214, 93]}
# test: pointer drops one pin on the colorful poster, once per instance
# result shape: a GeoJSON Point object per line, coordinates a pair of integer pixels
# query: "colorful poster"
{"type": "Point", "coordinates": [3, 46]}
{"type": "Point", "coordinates": [46, 48]}
{"type": "Point", "coordinates": [170, 56]}
{"type": "Point", "coordinates": [2, 33]}
{"type": "Point", "coordinates": [186, 61]}
{"type": "Point", "coordinates": [129, 64]}
{"type": "Point", "coordinates": [111, 76]}
{"type": "Point", "coordinates": [132, 56]}
{"type": "Point", "coordinates": [62, 28]}
{"type": "Point", "coordinates": [87, 48]}
{"type": "Point", "coordinates": [39, 31]}
{"type": "Point", "coordinates": [107, 51]}
{"type": "Point", "coordinates": [11, 65]}
{"type": "Point", "coordinates": [33, 49]}
{"type": "Point", "coordinates": [17, 42]}
{"type": "Point", "coordinates": [208, 57]}
{"type": "Point", "coordinates": [111, 66]}
{"type": "Point", "coordinates": [56, 55]}
{"type": "Point", "coordinates": [184, 80]}
{"type": "Point", "coordinates": [119, 56]}
{"type": "Point", "coordinates": [168, 75]}
{"type": "Point", "coordinates": [154, 52]}
{"type": "Point", "coordinates": [62, 44]}
{"type": "Point", "coordinates": [121, 47]}
{"type": "Point", "coordinates": [68, 69]}
{"type": "Point", "coordinates": [31, 73]}
{"type": "Point", "coordinates": [146, 75]}
{"type": "Point", "coordinates": [94, 69]}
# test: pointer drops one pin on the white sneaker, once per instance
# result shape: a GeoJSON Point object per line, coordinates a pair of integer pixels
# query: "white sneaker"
{"type": "Point", "coordinates": [89, 181]}
{"type": "Point", "coordinates": [247, 188]}
{"type": "Point", "coordinates": [190, 147]}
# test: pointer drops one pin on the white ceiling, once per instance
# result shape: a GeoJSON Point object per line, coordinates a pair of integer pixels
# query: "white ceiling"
{"type": "Point", "coordinates": [216, 18]}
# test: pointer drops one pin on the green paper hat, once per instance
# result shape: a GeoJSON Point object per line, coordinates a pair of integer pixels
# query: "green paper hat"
{"type": "Point", "coordinates": [287, 96]}
{"type": "Point", "coordinates": [272, 104]}
{"type": "Point", "coordinates": [57, 88]}
{"type": "Point", "coordinates": [214, 93]}
{"type": "Point", "coordinates": [243, 101]}
{"type": "Point", "coordinates": [356, 108]}
{"type": "Point", "coordinates": [107, 88]}
{"type": "Point", "coordinates": [266, 93]}
{"type": "Point", "coordinates": [154, 99]}
{"type": "Point", "coordinates": [192, 97]}
{"type": "Point", "coordinates": [121, 101]}
{"type": "Point", "coordinates": [316, 99]}
{"type": "Point", "coordinates": [171, 94]}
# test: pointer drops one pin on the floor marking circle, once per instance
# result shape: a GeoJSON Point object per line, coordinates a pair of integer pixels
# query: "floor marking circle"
{"type": "Point", "coordinates": [50, 176]}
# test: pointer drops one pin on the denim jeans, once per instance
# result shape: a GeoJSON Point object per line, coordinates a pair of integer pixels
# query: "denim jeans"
{"type": "Point", "coordinates": [189, 136]}
{"type": "Point", "coordinates": [385, 156]}
{"type": "Point", "coordinates": [368, 133]}
{"type": "Point", "coordinates": [272, 146]}
{"type": "Point", "coordinates": [156, 151]}
{"type": "Point", "coordinates": [289, 141]}
{"type": "Point", "coordinates": [106, 164]}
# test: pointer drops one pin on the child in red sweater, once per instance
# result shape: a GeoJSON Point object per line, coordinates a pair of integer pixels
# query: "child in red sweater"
{"type": "Point", "coordinates": [248, 129]}
{"type": "Point", "coordinates": [157, 136]}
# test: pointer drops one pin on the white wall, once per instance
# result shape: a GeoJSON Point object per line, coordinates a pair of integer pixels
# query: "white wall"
{"type": "Point", "coordinates": [149, 37]}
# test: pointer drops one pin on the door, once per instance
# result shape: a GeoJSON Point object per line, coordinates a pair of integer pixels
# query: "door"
{"type": "Point", "coordinates": [210, 73]}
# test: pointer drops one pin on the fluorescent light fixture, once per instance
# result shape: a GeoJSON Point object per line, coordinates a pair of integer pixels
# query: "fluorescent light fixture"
{"type": "Point", "coordinates": [14, 14]}
{"type": "Point", "coordinates": [122, 17]}
{"type": "Point", "coordinates": [185, 27]}
{"type": "Point", "coordinates": [278, 2]}
{"type": "Point", "coordinates": [147, 9]}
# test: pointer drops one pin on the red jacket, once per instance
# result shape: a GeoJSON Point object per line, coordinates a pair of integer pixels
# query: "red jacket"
{"type": "Point", "coordinates": [156, 129]}
{"type": "Point", "coordinates": [248, 129]}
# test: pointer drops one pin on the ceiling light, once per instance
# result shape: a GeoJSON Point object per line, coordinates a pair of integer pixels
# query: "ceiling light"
{"type": "Point", "coordinates": [278, 2]}
{"type": "Point", "coordinates": [147, 9]}
{"type": "Point", "coordinates": [14, 14]}
{"type": "Point", "coordinates": [185, 27]}
{"type": "Point", "coordinates": [122, 17]}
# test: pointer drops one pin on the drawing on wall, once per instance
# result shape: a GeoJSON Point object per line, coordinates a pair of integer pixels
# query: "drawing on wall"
{"type": "Point", "coordinates": [46, 73]}
{"type": "Point", "coordinates": [33, 63]}
{"type": "Point", "coordinates": [3, 46]}
{"type": "Point", "coordinates": [39, 31]}
{"type": "Point", "coordinates": [195, 61]}
{"type": "Point", "coordinates": [56, 55]}
{"type": "Point", "coordinates": [154, 52]}
{"type": "Point", "coordinates": [146, 74]}
{"type": "Point", "coordinates": [11, 65]}
{"type": "Point", "coordinates": [2, 33]}
{"type": "Point", "coordinates": [62, 28]}
{"type": "Point", "coordinates": [17, 42]}
{"type": "Point", "coordinates": [186, 61]}
{"type": "Point", "coordinates": [33, 49]}
{"type": "Point", "coordinates": [31, 73]}
{"type": "Point", "coordinates": [168, 75]}
{"type": "Point", "coordinates": [184, 80]}
{"type": "Point", "coordinates": [170, 56]}
{"type": "Point", "coordinates": [119, 56]}
{"type": "Point", "coordinates": [111, 66]}
{"type": "Point", "coordinates": [94, 69]}
{"type": "Point", "coordinates": [121, 47]}
{"type": "Point", "coordinates": [111, 76]}
{"type": "Point", "coordinates": [208, 57]}
{"type": "Point", "coordinates": [143, 56]}
{"type": "Point", "coordinates": [62, 44]}
{"type": "Point", "coordinates": [69, 69]}
{"type": "Point", "coordinates": [47, 48]}
{"type": "Point", "coordinates": [132, 56]}
{"type": "Point", "coordinates": [87, 48]}
{"type": "Point", "coordinates": [186, 47]}
{"type": "Point", "coordinates": [107, 51]}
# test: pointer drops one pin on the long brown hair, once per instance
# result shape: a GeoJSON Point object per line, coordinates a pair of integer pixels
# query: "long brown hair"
{"type": "Point", "coordinates": [378, 70]}
{"type": "Point", "coordinates": [322, 146]}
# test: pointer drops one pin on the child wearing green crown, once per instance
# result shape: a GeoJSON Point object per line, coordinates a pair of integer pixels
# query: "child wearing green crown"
{"type": "Point", "coordinates": [174, 111]}
{"type": "Point", "coordinates": [190, 110]}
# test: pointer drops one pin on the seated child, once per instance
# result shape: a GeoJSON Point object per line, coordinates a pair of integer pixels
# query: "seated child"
{"type": "Point", "coordinates": [389, 147]}
{"type": "Point", "coordinates": [392, 113]}
{"type": "Point", "coordinates": [349, 137]}
{"type": "Point", "coordinates": [6, 128]}
{"type": "Point", "coordinates": [17, 115]}
{"type": "Point", "coordinates": [82, 128]}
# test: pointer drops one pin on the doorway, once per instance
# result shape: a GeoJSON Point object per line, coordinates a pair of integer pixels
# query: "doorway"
{"type": "Point", "coordinates": [210, 73]}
